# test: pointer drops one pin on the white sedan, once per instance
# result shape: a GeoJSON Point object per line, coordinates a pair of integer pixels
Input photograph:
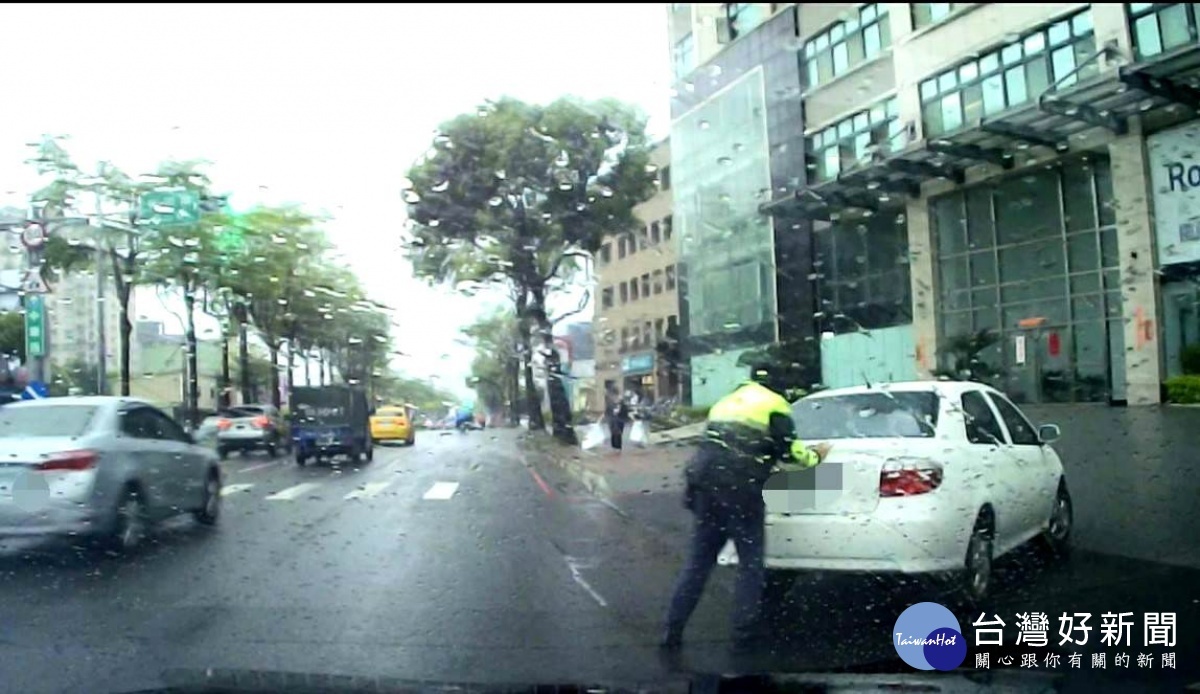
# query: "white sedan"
{"type": "Point", "coordinates": [923, 477]}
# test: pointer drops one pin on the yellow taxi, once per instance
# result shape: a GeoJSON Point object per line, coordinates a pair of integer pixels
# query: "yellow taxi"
{"type": "Point", "coordinates": [392, 423]}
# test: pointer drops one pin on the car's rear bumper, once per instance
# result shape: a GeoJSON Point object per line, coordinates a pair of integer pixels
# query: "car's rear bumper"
{"type": "Point", "coordinates": [907, 535]}
{"type": "Point", "coordinates": [392, 434]}
{"type": "Point", "coordinates": [50, 519]}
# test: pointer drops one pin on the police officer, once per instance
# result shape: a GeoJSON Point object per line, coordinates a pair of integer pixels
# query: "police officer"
{"type": "Point", "coordinates": [749, 432]}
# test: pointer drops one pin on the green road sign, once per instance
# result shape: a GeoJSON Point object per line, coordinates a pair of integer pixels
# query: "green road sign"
{"type": "Point", "coordinates": [35, 325]}
{"type": "Point", "coordinates": [169, 207]}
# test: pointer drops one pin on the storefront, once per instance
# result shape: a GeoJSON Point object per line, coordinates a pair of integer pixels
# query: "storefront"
{"type": "Point", "coordinates": [1175, 175]}
{"type": "Point", "coordinates": [637, 374]}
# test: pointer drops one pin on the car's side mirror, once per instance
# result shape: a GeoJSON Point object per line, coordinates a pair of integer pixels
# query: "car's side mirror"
{"type": "Point", "coordinates": [1049, 433]}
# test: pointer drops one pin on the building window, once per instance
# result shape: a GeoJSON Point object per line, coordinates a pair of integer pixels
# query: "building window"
{"type": "Point", "coordinates": [670, 278]}
{"type": "Point", "coordinates": [606, 297]}
{"type": "Point", "coordinates": [667, 228]}
{"type": "Point", "coordinates": [1039, 245]}
{"type": "Point", "coordinates": [684, 56]}
{"type": "Point", "coordinates": [633, 243]}
{"type": "Point", "coordinates": [646, 284]}
{"type": "Point", "coordinates": [624, 339]}
{"type": "Point", "coordinates": [658, 329]}
{"type": "Point", "coordinates": [1015, 74]}
{"type": "Point", "coordinates": [655, 233]}
{"type": "Point", "coordinates": [624, 293]}
{"type": "Point", "coordinates": [929, 13]}
{"type": "Point", "coordinates": [658, 282]}
{"type": "Point", "coordinates": [863, 274]}
{"type": "Point", "coordinates": [647, 334]}
{"type": "Point", "coordinates": [855, 140]}
{"type": "Point", "coordinates": [606, 253]}
{"type": "Point", "coordinates": [845, 45]}
{"type": "Point", "coordinates": [622, 248]}
{"type": "Point", "coordinates": [743, 17]}
{"type": "Point", "coordinates": [1160, 27]}
{"type": "Point", "coordinates": [634, 289]}
{"type": "Point", "coordinates": [664, 178]}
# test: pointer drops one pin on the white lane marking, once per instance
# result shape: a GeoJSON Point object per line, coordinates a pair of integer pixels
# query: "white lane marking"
{"type": "Point", "coordinates": [441, 491]}
{"type": "Point", "coordinates": [293, 492]}
{"type": "Point", "coordinates": [260, 466]}
{"type": "Point", "coordinates": [367, 490]}
{"type": "Point", "coordinates": [235, 488]}
{"type": "Point", "coordinates": [575, 566]}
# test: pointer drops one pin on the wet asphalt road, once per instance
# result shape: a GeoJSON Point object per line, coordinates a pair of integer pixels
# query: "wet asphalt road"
{"type": "Point", "coordinates": [454, 561]}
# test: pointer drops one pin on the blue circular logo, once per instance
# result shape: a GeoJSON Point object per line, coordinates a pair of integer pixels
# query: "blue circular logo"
{"type": "Point", "coordinates": [928, 636]}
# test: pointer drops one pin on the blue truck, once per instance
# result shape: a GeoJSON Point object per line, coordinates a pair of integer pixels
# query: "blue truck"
{"type": "Point", "coordinates": [329, 421]}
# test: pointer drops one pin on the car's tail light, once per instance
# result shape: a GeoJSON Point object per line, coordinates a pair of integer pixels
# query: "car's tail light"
{"type": "Point", "coordinates": [224, 424]}
{"type": "Point", "coordinates": [262, 422]}
{"type": "Point", "coordinates": [69, 461]}
{"type": "Point", "coordinates": [909, 478]}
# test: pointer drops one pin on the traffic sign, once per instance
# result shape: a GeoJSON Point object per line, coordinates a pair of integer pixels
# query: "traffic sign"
{"type": "Point", "coordinates": [35, 326]}
{"type": "Point", "coordinates": [169, 207]}
{"type": "Point", "coordinates": [33, 282]}
{"type": "Point", "coordinates": [36, 390]}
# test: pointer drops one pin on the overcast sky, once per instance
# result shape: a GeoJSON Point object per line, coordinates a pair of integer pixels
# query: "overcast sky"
{"type": "Point", "coordinates": [325, 105]}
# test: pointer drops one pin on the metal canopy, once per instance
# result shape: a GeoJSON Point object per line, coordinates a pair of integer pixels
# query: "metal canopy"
{"type": "Point", "coordinates": [1172, 79]}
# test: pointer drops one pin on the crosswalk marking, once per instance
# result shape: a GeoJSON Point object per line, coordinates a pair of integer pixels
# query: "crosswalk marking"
{"type": "Point", "coordinates": [293, 492]}
{"type": "Point", "coordinates": [235, 488]}
{"type": "Point", "coordinates": [367, 490]}
{"type": "Point", "coordinates": [441, 491]}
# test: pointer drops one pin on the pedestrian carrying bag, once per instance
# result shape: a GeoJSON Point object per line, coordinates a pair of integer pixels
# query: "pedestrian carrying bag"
{"type": "Point", "coordinates": [595, 436]}
{"type": "Point", "coordinates": [639, 434]}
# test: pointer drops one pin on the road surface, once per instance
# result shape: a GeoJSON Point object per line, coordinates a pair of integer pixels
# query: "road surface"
{"type": "Point", "coordinates": [449, 561]}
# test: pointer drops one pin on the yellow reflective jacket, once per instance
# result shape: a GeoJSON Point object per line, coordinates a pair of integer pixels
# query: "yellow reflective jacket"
{"type": "Point", "coordinates": [750, 431]}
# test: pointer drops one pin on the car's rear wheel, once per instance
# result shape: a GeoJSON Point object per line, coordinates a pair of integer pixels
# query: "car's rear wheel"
{"type": "Point", "coordinates": [210, 510]}
{"type": "Point", "coordinates": [132, 521]}
{"type": "Point", "coordinates": [223, 452]}
{"type": "Point", "coordinates": [1057, 537]}
{"type": "Point", "coordinates": [301, 459]}
{"type": "Point", "coordinates": [411, 441]}
{"type": "Point", "coordinates": [272, 450]}
{"type": "Point", "coordinates": [977, 574]}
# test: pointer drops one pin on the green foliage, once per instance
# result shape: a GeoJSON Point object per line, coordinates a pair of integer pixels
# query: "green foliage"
{"type": "Point", "coordinates": [424, 395]}
{"type": "Point", "coordinates": [1184, 390]}
{"type": "Point", "coordinates": [1191, 360]}
{"type": "Point", "coordinates": [280, 278]}
{"type": "Point", "coordinates": [495, 338]}
{"type": "Point", "coordinates": [12, 335]}
{"type": "Point", "coordinates": [76, 376]}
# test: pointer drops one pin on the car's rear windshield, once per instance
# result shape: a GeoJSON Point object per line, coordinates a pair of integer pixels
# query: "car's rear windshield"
{"type": "Point", "coordinates": [244, 411]}
{"type": "Point", "coordinates": [392, 412]}
{"type": "Point", "coordinates": [42, 421]}
{"type": "Point", "coordinates": [873, 415]}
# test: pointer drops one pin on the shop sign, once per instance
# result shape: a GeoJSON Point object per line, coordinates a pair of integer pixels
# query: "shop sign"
{"type": "Point", "coordinates": [1174, 157]}
{"type": "Point", "coordinates": [634, 363]}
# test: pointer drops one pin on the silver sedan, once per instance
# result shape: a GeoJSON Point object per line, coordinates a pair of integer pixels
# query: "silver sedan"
{"type": "Point", "coordinates": [101, 467]}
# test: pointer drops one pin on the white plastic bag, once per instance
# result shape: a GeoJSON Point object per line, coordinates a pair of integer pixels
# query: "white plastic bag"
{"type": "Point", "coordinates": [595, 436]}
{"type": "Point", "coordinates": [639, 434]}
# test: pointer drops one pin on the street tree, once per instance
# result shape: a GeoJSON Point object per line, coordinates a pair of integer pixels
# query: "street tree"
{"type": "Point", "coordinates": [519, 194]}
{"type": "Point", "coordinates": [12, 336]}
{"type": "Point", "coordinates": [112, 237]}
{"type": "Point", "coordinates": [494, 370]}
{"type": "Point", "coordinates": [176, 256]}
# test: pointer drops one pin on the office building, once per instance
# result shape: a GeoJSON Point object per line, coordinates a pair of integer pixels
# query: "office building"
{"type": "Point", "coordinates": [636, 320]}
{"type": "Point", "coordinates": [1020, 169]}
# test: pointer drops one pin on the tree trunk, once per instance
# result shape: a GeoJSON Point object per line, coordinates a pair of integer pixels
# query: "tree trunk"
{"type": "Point", "coordinates": [513, 389]}
{"type": "Point", "coordinates": [193, 383]}
{"type": "Point", "coordinates": [560, 406]}
{"type": "Point", "coordinates": [274, 348]}
{"type": "Point", "coordinates": [226, 382]}
{"type": "Point", "coordinates": [124, 291]}
{"type": "Point", "coordinates": [244, 355]}
{"type": "Point", "coordinates": [533, 401]}
{"type": "Point", "coordinates": [291, 365]}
